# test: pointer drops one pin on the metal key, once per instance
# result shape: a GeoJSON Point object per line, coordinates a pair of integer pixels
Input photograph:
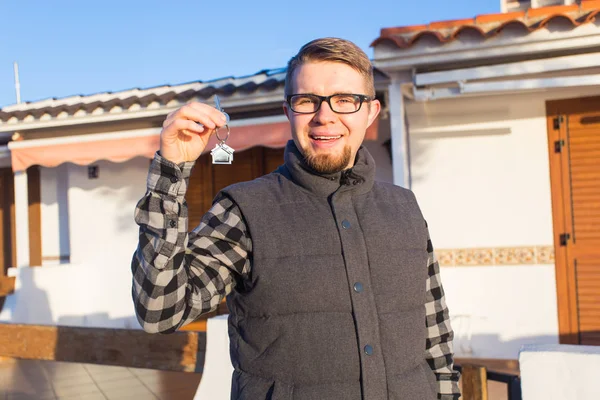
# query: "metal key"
{"type": "Point", "coordinates": [218, 107]}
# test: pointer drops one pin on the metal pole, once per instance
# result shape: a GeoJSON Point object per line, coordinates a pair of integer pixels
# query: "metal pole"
{"type": "Point", "coordinates": [17, 83]}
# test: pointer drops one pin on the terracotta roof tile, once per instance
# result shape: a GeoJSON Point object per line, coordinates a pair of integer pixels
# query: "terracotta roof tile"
{"type": "Point", "coordinates": [405, 29]}
{"type": "Point", "coordinates": [451, 24]}
{"type": "Point", "coordinates": [545, 11]}
{"type": "Point", "coordinates": [589, 4]}
{"type": "Point", "coordinates": [489, 25]}
{"type": "Point", "coordinates": [487, 18]}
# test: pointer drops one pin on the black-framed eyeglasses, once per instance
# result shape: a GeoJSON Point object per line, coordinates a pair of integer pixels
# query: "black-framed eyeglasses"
{"type": "Point", "coordinates": [342, 103]}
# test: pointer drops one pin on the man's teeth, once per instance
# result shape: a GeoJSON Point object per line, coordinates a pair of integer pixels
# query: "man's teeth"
{"type": "Point", "coordinates": [326, 137]}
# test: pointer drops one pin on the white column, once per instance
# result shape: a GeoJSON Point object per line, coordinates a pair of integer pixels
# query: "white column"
{"type": "Point", "coordinates": [22, 218]}
{"type": "Point", "coordinates": [503, 7]}
{"type": "Point", "coordinates": [398, 128]}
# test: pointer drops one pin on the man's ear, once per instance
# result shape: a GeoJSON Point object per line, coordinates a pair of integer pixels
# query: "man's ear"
{"type": "Point", "coordinates": [374, 110]}
{"type": "Point", "coordinates": [286, 110]}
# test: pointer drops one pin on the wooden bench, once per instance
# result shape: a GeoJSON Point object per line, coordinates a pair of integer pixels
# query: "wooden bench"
{"type": "Point", "coordinates": [180, 351]}
{"type": "Point", "coordinates": [7, 285]}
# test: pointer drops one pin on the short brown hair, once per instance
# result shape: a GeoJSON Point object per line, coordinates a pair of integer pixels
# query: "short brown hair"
{"type": "Point", "coordinates": [334, 50]}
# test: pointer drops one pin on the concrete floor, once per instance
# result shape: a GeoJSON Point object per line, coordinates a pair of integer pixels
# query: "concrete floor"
{"type": "Point", "coordinates": [50, 380]}
{"type": "Point", "coordinates": [53, 380]}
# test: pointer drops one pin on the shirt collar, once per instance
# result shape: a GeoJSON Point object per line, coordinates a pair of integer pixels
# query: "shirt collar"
{"type": "Point", "coordinates": [359, 178]}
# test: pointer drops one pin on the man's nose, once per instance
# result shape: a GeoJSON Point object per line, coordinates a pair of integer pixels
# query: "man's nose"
{"type": "Point", "coordinates": [324, 114]}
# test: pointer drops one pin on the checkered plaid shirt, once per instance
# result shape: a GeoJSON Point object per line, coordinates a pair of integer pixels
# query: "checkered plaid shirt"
{"type": "Point", "coordinates": [178, 276]}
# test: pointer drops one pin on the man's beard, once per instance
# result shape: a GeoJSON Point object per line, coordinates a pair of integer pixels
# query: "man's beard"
{"type": "Point", "coordinates": [328, 163]}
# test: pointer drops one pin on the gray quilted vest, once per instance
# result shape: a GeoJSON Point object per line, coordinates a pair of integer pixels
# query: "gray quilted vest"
{"type": "Point", "coordinates": [334, 308]}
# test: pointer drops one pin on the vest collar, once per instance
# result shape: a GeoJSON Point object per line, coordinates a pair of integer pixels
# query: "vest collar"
{"type": "Point", "coordinates": [358, 179]}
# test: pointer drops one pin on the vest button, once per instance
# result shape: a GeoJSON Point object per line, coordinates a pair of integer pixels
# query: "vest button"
{"type": "Point", "coordinates": [358, 287]}
{"type": "Point", "coordinates": [345, 224]}
{"type": "Point", "coordinates": [369, 350]}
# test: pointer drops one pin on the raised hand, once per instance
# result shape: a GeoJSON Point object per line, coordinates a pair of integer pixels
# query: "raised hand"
{"type": "Point", "coordinates": [186, 131]}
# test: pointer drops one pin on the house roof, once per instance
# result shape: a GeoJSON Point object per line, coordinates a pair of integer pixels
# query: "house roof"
{"type": "Point", "coordinates": [490, 25]}
{"type": "Point", "coordinates": [137, 98]}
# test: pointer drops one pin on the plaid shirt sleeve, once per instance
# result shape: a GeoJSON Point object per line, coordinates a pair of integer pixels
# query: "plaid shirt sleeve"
{"type": "Point", "coordinates": [438, 348]}
{"type": "Point", "coordinates": [177, 276]}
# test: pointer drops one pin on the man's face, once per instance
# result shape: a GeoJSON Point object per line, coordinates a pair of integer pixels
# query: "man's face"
{"type": "Point", "coordinates": [329, 141]}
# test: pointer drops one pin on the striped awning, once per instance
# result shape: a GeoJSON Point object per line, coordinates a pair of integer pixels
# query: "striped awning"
{"type": "Point", "coordinates": [124, 145]}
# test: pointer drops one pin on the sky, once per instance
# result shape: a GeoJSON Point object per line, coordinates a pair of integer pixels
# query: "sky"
{"type": "Point", "coordinates": [66, 48]}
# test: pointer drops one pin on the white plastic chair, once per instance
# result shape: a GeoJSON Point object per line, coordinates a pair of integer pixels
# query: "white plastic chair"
{"type": "Point", "coordinates": [560, 372]}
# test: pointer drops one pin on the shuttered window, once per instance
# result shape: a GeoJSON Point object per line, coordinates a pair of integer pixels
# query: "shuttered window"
{"type": "Point", "coordinates": [583, 131]}
{"type": "Point", "coordinates": [574, 132]}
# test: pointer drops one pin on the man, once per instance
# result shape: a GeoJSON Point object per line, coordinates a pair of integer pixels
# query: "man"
{"type": "Point", "coordinates": [330, 277]}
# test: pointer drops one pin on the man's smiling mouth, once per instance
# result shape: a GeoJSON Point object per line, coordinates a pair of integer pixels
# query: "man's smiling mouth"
{"type": "Point", "coordinates": [324, 137]}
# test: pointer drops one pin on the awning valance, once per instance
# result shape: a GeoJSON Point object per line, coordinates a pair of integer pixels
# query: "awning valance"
{"type": "Point", "coordinates": [121, 146]}
{"type": "Point", "coordinates": [84, 149]}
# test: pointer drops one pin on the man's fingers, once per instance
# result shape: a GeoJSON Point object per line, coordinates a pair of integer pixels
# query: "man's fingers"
{"type": "Point", "coordinates": [203, 114]}
{"type": "Point", "coordinates": [193, 119]}
{"type": "Point", "coordinates": [199, 122]}
{"type": "Point", "coordinates": [217, 116]}
{"type": "Point", "coordinates": [185, 126]}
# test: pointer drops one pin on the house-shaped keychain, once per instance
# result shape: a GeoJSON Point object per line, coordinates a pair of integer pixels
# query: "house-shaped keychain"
{"type": "Point", "coordinates": [222, 154]}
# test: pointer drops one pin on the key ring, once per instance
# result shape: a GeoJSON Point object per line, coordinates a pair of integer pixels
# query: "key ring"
{"type": "Point", "coordinates": [226, 137]}
{"type": "Point", "coordinates": [222, 154]}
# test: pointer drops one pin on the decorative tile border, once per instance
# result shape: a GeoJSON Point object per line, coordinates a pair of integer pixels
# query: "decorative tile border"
{"type": "Point", "coordinates": [495, 256]}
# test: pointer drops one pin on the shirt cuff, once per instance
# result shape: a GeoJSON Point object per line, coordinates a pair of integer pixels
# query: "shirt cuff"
{"type": "Point", "coordinates": [168, 178]}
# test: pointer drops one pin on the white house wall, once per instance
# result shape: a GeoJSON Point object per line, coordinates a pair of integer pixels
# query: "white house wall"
{"type": "Point", "coordinates": [103, 232]}
{"type": "Point", "coordinates": [480, 170]}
